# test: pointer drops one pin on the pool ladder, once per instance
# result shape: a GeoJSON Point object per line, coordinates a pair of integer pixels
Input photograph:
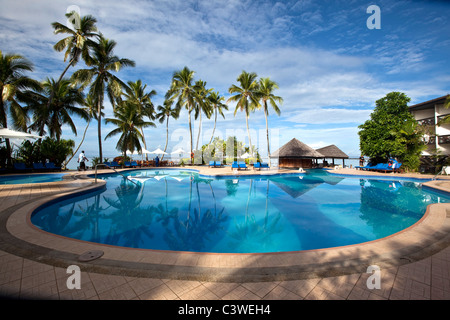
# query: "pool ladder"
{"type": "Point", "coordinates": [105, 165]}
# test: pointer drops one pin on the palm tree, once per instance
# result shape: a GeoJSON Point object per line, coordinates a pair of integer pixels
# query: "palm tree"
{"type": "Point", "coordinates": [265, 94]}
{"type": "Point", "coordinates": [90, 107]}
{"type": "Point", "coordinates": [59, 111]}
{"type": "Point", "coordinates": [246, 97]}
{"type": "Point", "coordinates": [202, 106]}
{"type": "Point", "coordinates": [164, 113]}
{"type": "Point", "coordinates": [78, 41]}
{"type": "Point", "coordinates": [100, 78]}
{"type": "Point", "coordinates": [13, 87]}
{"type": "Point", "coordinates": [183, 90]}
{"type": "Point", "coordinates": [129, 121]}
{"type": "Point", "coordinates": [135, 94]}
{"type": "Point", "coordinates": [216, 102]}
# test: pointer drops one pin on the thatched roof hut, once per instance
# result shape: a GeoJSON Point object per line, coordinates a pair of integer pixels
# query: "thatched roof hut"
{"type": "Point", "coordinates": [296, 154]}
{"type": "Point", "coordinates": [333, 152]}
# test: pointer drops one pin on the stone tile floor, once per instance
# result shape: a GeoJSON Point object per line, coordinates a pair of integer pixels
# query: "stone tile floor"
{"type": "Point", "coordinates": [22, 278]}
{"type": "Point", "coordinates": [25, 279]}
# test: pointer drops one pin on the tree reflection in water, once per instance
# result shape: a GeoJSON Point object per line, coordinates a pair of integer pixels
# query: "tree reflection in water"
{"type": "Point", "coordinates": [183, 211]}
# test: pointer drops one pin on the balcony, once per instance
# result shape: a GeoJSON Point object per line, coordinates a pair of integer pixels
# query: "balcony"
{"type": "Point", "coordinates": [444, 139]}
{"type": "Point", "coordinates": [430, 140]}
{"type": "Point", "coordinates": [426, 122]}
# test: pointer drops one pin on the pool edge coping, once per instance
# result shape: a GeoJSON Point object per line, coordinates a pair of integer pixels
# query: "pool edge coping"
{"type": "Point", "coordinates": [228, 266]}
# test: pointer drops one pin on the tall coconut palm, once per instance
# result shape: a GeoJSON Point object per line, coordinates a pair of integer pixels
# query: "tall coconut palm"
{"type": "Point", "coordinates": [129, 121]}
{"type": "Point", "coordinates": [66, 102]}
{"type": "Point", "coordinates": [202, 106]}
{"type": "Point", "coordinates": [216, 102]}
{"type": "Point", "coordinates": [164, 113]}
{"type": "Point", "coordinates": [183, 91]}
{"type": "Point", "coordinates": [78, 42]}
{"type": "Point", "coordinates": [265, 94]}
{"type": "Point", "coordinates": [90, 106]}
{"type": "Point", "coordinates": [246, 97]}
{"type": "Point", "coordinates": [135, 94]}
{"type": "Point", "coordinates": [101, 79]}
{"type": "Point", "coordinates": [14, 85]}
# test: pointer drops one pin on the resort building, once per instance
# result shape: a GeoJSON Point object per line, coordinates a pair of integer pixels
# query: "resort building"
{"type": "Point", "coordinates": [430, 114]}
{"type": "Point", "coordinates": [296, 154]}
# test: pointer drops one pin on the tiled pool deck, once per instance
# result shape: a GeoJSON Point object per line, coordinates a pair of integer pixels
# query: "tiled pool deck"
{"type": "Point", "coordinates": [415, 263]}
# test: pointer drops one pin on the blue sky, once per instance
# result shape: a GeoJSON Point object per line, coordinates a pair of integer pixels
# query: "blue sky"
{"type": "Point", "coordinates": [329, 66]}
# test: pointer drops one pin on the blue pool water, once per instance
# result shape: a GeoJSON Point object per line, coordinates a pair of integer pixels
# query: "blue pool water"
{"type": "Point", "coordinates": [31, 178]}
{"type": "Point", "coordinates": [184, 211]}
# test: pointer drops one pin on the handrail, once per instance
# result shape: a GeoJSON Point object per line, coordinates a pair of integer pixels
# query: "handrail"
{"type": "Point", "coordinates": [102, 164]}
{"type": "Point", "coordinates": [440, 172]}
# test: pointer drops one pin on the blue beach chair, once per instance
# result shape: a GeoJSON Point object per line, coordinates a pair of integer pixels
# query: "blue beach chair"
{"type": "Point", "coordinates": [38, 166]}
{"type": "Point", "coordinates": [242, 165]}
{"type": "Point", "coordinates": [21, 167]}
{"type": "Point", "coordinates": [114, 164]}
{"type": "Point", "coordinates": [51, 166]}
{"type": "Point", "coordinates": [265, 165]}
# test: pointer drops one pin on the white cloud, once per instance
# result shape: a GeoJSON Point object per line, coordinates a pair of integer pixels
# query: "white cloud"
{"type": "Point", "coordinates": [330, 72]}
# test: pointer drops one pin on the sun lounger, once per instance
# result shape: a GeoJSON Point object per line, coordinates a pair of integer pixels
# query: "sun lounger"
{"type": "Point", "coordinates": [257, 165]}
{"type": "Point", "coordinates": [218, 164]}
{"type": "Point", "coordinates": [265, 165]}
{"type": "Point", "coordinates": [211, 164]}
{"type": "Point", "coordinates": [38, 166]}
{"type": "Point", "coordinates": [234, 165]}
{"type": "Point", "coordinates": [51, 166]}
{"type": "Point", "coordinates": [134, 164]}
{"type": "Point", "coordinates": [21, 167]}
{"type": "Point", "coordinates": [114, 164]}
{"type": "Point", "coordinates": [383, 167]}
{"type": "Point", "coordinates": [242, 165]}
{"type": "Point", "coordinates": [127, 164]}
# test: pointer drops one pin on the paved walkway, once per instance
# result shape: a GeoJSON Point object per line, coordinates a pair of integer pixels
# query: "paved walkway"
{"type": "Point", "coordinates": [33, 264]}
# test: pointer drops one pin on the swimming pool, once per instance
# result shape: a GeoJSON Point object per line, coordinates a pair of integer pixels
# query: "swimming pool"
{"type": "Point", "coordinates": [181, 210]}
{"type": "Point", "coordinates": [31, 178]}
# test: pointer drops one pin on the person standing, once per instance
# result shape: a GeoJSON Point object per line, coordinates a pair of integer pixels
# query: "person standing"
{"type": "Point", "coordinates": [157, 161]}
{"type": "Point", "coordinates": [82, 161]}
{"type": "Point", "coordinates": [361, 161]}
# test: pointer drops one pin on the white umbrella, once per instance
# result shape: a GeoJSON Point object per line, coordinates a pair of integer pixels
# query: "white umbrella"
{"type": "Point", "coordinates": [12, 134]}
{"type": "Point", "coordinates": [158, 151]}
{"type": "Point", "coordinates": [245, 156]}
{"type": "Point", "coordinates": [179, 150]}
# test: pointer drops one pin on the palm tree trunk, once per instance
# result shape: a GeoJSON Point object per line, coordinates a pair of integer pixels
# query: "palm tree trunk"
{"type": "Point", "coordinates": [167, 136]}
{"type": "Point", "coordinates": [100, 101]}
{"type": "Point", "coordinates": [145, 144]}
{"type": "Point", "coordinates": [65, 70]}
{"type": "Point", "coordinates": [190, 136]}
{"type": "Point", "coordinates": [8, 143]}
{"type": "Point", "coordinates": [214, 129]}
{"type": "Point", "coordinates": [199, 130]}
{"type": "Point", "coordinates": [267, 131]}
{"type": "Point", "coordinates": [78, 148]}
{"type": "Point", "coordinates": [50, 99]}
{"type": "Point", "coordinates": [249, 138]}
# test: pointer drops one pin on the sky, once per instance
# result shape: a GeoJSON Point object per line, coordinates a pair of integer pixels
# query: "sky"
{"type": "Point", "coordinates": [331, 65]}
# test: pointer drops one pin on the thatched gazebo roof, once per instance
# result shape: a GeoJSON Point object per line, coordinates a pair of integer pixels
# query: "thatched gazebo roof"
{"type": "Point", "coordinates": [332, 152]}
{"type": "Point", "coordinates": [296, 149]}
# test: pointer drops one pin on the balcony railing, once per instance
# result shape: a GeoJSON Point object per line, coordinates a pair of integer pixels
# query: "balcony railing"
{"type": "Point", "coordinates": [444, 139]}
{"type": "Point", "coordinates": [427, 122]}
